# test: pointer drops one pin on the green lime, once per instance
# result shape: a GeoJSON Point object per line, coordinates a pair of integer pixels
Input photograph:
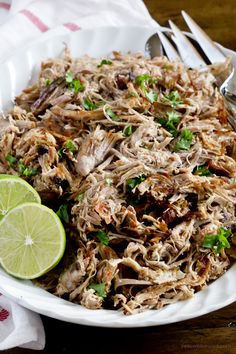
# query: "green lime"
{"type": "Point", "coordinates": [14, 191]}
{"type": "Point", "coordinates": [32, 240]}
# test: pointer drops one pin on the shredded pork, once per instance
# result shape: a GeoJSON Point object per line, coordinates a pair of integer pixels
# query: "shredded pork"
{"type": "Point", "coordinates": [140, 157]}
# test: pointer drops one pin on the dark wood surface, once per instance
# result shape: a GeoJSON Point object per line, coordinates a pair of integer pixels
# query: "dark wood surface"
{"type": "Point", "coordinates": [213, 333]}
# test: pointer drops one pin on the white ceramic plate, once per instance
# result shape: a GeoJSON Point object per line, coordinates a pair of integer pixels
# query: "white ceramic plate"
{"type": "Point", "coordinates": [16, 73]}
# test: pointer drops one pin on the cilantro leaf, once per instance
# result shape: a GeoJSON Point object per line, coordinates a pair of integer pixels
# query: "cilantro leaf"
{"type": "Point", "coordinates": [133, 182]}
{"type": "Point", "coordinates": [100, 289]}
{"type": "Point", "coordinates": [184, 141]}
{"type": "Point", "coordinates": [109, 181]}
{"type": "Point", "coordinates": [128, 130]}
{"type": "Point", "coordinates": [80, 197]}
{"type": "Point", "coordinates": [173, 98]}
{"type": "Point", "coordinates": [74, 84]}
{"type": "Point", "coordinates": [70, 146]}
{"type": "Point", "coordinates": [63, 213]}
{"type": "Point", "coordinates": [133, 94]}
{"type": "Point", "coordinates": [48, 82]}
{"type": "Point", "coordinates": [171, 122]}
{"type": "Point", "coordinates": [217, 242]}
{"type": "Point", "coordinates": [151, 96]}
{"type": "Point", "coordinates": [104, 62]}
{"type": "Point", "coordinates": [202, 171]}
{"type": "Point", "coordinates": [141, 80]}
{"type": "Point", "coordinates": [112, 114]}
{"type": "Point", "coordinates": [103, 237]}
{"type": "Point", "coordinates": [26, 171]}
{"type": "Point", "coordinates": [89, 105]}
{"type": "Point", "coordinates": [11, 159]}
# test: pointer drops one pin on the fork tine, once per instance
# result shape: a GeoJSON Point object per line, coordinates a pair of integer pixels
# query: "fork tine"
{"type": "Point", "coordinates": [189, 54]}
{"type": "Point", "coordinates": [171, 52]}
{"type": "Point", "coordinates": [207, 45]}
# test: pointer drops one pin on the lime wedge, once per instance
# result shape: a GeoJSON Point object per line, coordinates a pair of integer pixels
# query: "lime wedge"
{"type": "Point", "coordinates": [32, 240]}
{"type": "Point", "coordinates": [14, 191]}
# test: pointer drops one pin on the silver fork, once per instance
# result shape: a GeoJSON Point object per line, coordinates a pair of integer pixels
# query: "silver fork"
{"type": "Point", "coordinates": [185, 51]}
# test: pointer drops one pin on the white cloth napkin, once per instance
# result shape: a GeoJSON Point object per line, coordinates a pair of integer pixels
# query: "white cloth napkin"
{"type": "Point", "coordinates": [24, 21]}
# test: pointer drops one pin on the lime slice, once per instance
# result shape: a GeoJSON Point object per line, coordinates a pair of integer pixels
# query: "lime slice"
{"type": "Point", "coordinates": [14, 191]}
{"type": "Point", "coordinates": [32, 240]}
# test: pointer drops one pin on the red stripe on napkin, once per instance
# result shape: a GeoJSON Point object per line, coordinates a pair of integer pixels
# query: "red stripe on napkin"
{"type": "Point", "coordinates": [3, 314]}
{"type": "Point", "coordinates": [4, 5]}
{"type": "Point", "coordinates": [72, 26]}
{"type": "Point", "coordinates": [35, 20]}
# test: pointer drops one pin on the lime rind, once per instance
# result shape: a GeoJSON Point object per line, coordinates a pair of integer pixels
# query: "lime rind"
{"type": "Point", "coordinates": [14, 191]}
{"type": "Point", "coordinates": [32, 241]}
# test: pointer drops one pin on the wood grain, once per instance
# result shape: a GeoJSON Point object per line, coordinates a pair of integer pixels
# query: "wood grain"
{"type": "Point", "coordinates": [213, 333]}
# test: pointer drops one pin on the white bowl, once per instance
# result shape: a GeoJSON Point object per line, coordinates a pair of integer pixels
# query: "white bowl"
{"type": "Point", "coordinates": [16, 73]}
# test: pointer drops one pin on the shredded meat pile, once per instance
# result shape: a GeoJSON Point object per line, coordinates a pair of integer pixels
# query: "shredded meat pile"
{"type": "Point", "coordinates": [138, 159]}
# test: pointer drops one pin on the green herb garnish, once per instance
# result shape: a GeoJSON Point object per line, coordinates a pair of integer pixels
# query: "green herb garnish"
{"type": "Point", "coordinates": [74, 84]}
{"type": "Point", "coordinates": [100, 289]}
{"type": "Point", "coordinates": [173, 98]}
{"type": "Point", "coordinates": [104, 62]}
{"type": "Point", "coordinates": [80, 197]}
{"type": "Point", "coordinates": [11, 159]}
{"type": "Point", "coordinates": [112, 114]}
{"type": "Point", "coordinates": [217, 242]}
{"type": "Point", "coordinates": [170, 122]}
{"type": "Point", "coordinates": [103, 237]}
{"type": "Point", "coordinates": [48, 82]}
{"type": "Point", "coordinates": [133, 94]}
{"type": "Point", "coordinates": [202, 171]}
{"type": "Point", "coordinates": [142, 79]}
{"type": "Point", "coordinates": [128, 130]}
{"type": "Point", "coordinates": [63, 213]}
{"type": "Point", "coordinates": [133, 182]}
{"type": "Point", "coordinates": [109, 181]}
{"type": "Point", "coordinates": [151, 96]}
{"type": "Point", "coordinates": [26, 171]}
{"type": "Point", "coordinates": [89, 105]}
{"type": "Point", "coordinates": [70, 146]}
{"type": "Point", "coordinates": [184, 140]}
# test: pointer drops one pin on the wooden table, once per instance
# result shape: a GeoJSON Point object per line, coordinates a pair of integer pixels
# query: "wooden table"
{"type": "Point", "coordinates": [213, 333]}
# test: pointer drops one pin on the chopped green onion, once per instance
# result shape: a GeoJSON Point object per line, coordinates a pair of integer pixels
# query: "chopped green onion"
{"type": "Point", "coordinates": [100, 289]}
{"type": "Point", "coordinates": [70, 146]}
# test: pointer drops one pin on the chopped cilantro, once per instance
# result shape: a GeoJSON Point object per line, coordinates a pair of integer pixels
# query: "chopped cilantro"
{"type": "Point", "coordinates": [100, 289]}
{"type": "Point", "coordinates": [142, 79]}
{"type": "Point", "coordinates": [133, 94]}
{"type": "Point", "coordinates": [184, 141]}
{"type": "Point", "coordinates": [80, 197]}
{"type": "Point", "coordinates": [112, 114]}
{"type": "Point", "coordinates": [11, 159]}
{"type": "Point", "coordinates": [63, 213]}
{"type": "Point", "coordinates": [170, 123]}
{"type": "Point", "coordinates": [133, 182]}
{"type": "Point", "coordinates": [109, 181]}
{"type": "Point", "coordinates": [48, 82]}
{"type": "Point", "coordinates": [89, 105]}
{"type": "Point", "coordinates": [74, 84]}
{"type": "Point", "coordinates": [103, 237]}
{"type": "Point", "coordinates": [202, 171]}
{"type": "Point", "coordinates": [128, 130]}
{"type": "Point", "coordinates": [70, 146]}
{"type": "Point", "coordinates": [61, 151]}
{"type": "Point", "coordinates": [217, 242]}
{"type": "Point", "coordinates": [26, 171]}
{"type": "Point", "coordinates": [104, 62]}
{"type": "Point", "coordinates": [151, 96]}
{"type": "Point", "coordinates": [173, 98]}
